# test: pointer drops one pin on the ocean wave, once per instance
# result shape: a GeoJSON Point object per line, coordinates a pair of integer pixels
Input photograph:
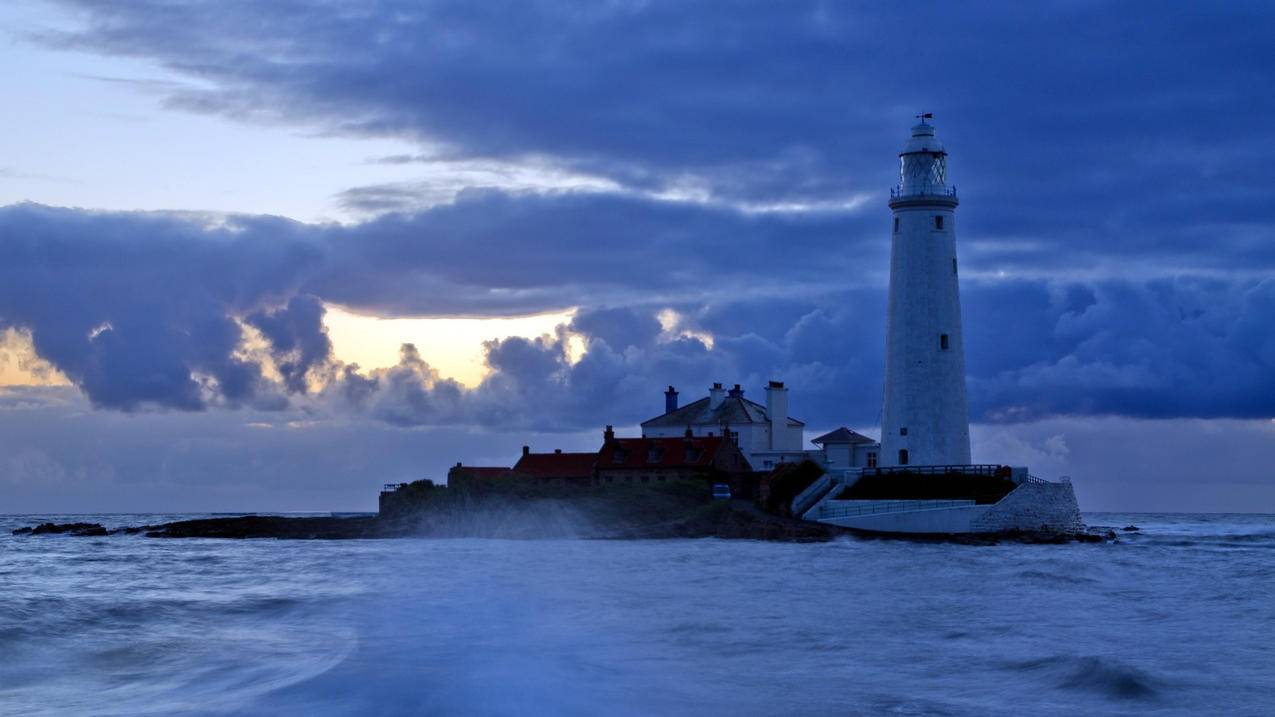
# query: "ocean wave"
{"type": "Point", "coordinates": [1102, 676]}
{"type": "Point", "coordinates": [675, 627]}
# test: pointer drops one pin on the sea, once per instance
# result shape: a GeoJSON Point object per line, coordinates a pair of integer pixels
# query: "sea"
{"type": "Point", "coordinates": [1176, 618]}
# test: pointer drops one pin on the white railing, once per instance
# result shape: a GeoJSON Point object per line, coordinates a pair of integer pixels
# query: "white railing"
{"type": "Point", "coordinates": [812, 493]}
{"type": "Point", "coordinates": [891, 506]}
{"type": "Point", "coordinates": [981, 469]}
{"type": "Point", "coordinates": [927, 190]}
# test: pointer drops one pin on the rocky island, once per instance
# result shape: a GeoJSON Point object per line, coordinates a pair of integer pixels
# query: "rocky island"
{"type": "Point", "coordinates": [519, 511]}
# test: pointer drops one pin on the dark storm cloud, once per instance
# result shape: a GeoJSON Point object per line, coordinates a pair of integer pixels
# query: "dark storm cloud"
{"type": "Point", "coordinates": [298, 339]}
{"type": "Point", "coordinates": [493, 252]}
{"type": "Point", "coordinates": [1160, 349]}
{"type": "Point", "coordinates": [138, 308]}
{"type": "Point", "coordinates": [1112, 129]}
{"type": "Point", "coordinates": [144, 309]}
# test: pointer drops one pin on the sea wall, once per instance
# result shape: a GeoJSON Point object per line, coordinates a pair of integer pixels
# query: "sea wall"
{"type": "Point", "coordinates": [922, 520]}
{"type": "Point", "coordinates": [1034, 506]}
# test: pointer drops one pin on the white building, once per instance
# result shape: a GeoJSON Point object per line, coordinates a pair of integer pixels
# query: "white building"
{"type": "Point", "coordinates": [766, 435]}
{"type": "Point", "coordinates": [924, 416]}
{"type": "Point", "coordinates": [844, 448]}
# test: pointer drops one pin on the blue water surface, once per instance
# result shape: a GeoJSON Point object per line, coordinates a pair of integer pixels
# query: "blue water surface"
{"type": "Point", "coordinates": [1175, 619]}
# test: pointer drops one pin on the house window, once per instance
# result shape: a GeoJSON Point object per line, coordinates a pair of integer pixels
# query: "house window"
{"type": "Point", "coordinates": [872, 459]}
{"type": "Point", "coordinates": [655, 455]}
{"type": "Point", "coordinates": [646, 478]}
{"type": "Point", "coordinates": [903, 431]}
{"type": "Point", "coordinates": [943, 342]}
{"type": "Point", "coordinates": [896, 225]}
{"type": "Point", "coordinates": [618, 457]}
{"type": "Point", "coordinates": [938, 223]}
{"type": "Point", "coordinates": [768, 464]}
{"type": "Point", "coordinates": [903, 456]}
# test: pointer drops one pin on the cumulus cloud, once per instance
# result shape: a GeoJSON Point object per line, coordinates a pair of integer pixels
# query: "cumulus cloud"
{"type": "Point", "coordinates": [138, 309]}
{"type": "Point", "coordinates": [150, 310]}
{"type": "Point", "coordinates": [1181, 348]}
{"type": "Point", "coordinates": [1161, 348]}
{"type": "Point", "coordinates": [298, 340]}
{"type": "Point", "coordinates": [493, 253]}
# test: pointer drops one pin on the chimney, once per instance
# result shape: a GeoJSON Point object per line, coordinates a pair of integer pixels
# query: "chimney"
{"type": "Point", "coordinates": [689, 434]}
{"type": "Point", "coordinates": [728, 434]}
{"type": "Point", "coordinates": [670, 400]}
{"type": "Point", "coordinates": [557, 451]}
{"type": "Point", "coordinates": [526, 450]}
{"type": "Point", "coordinates": [715, 396]}
{"type": "Point", "coordinates": [777, 411]}
{"type": "Point", "coordinates": [608, 435]}
{"type": "Point", "coordinates": [736, 392]}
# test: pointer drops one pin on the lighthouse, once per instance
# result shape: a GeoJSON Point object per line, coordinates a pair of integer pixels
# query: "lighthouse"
{"type": "Point", "coordinates": [924, 420]}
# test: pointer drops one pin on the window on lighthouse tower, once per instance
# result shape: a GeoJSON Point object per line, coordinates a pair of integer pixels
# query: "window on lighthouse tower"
{"type": "Point", "coordinates": [938, 223]}
{"type": "Point", "coordinates": [943, 342]}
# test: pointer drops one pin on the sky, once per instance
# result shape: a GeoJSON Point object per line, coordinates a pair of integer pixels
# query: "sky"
{"type": "Point", "coordinates": [269, 256]}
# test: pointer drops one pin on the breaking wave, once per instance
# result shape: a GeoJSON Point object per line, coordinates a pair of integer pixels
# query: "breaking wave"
{"type": "Point", "coordinates": [1102, 676]}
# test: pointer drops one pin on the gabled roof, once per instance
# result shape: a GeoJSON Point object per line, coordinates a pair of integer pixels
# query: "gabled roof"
{"type": "Point", "coordinates": [556, 465]}
{"type": "Point", "coordinates": [840, 436]}
{"type": "Point", "coordinates": [700, 451]}
{"type": "Point", "coordinates": [735, 410]}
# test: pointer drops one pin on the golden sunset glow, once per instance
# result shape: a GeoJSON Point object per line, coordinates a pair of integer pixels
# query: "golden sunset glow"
{"type": "Point", "coordinates": [19, 366]}
{"type": "Point", "coordinates": [454, 347]}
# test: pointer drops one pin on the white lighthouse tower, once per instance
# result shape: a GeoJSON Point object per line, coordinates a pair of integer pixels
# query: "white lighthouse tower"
{"type": "Point", "coordinates": [924, 420]}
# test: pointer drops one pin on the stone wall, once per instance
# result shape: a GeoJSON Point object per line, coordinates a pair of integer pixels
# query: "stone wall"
{"type": "Point", "coordinates": [1033, 506]}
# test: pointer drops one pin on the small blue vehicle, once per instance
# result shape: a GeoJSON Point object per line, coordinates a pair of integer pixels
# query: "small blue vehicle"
{"type": "Point", "coordinates": [721, 491]}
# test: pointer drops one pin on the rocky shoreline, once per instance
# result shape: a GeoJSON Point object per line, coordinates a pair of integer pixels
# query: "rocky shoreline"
{"type": "Point", "coordinates": [616, 513]}
{"type": "Point", "coordinates": [736, 522]}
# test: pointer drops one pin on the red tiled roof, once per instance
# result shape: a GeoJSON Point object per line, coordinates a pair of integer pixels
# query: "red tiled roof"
{"type": "Point", "coordinates": [556, 465]}
{"type": "Point", "coordinates": [659, 452]}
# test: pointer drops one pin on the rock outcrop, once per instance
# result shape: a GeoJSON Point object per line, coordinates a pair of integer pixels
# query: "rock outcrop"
{"type": "Point", "coordinates": [78, 529]}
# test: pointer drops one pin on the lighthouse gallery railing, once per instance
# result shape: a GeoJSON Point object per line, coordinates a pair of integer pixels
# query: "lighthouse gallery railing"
{"type": "Point", "coordinates": [929, 190]}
